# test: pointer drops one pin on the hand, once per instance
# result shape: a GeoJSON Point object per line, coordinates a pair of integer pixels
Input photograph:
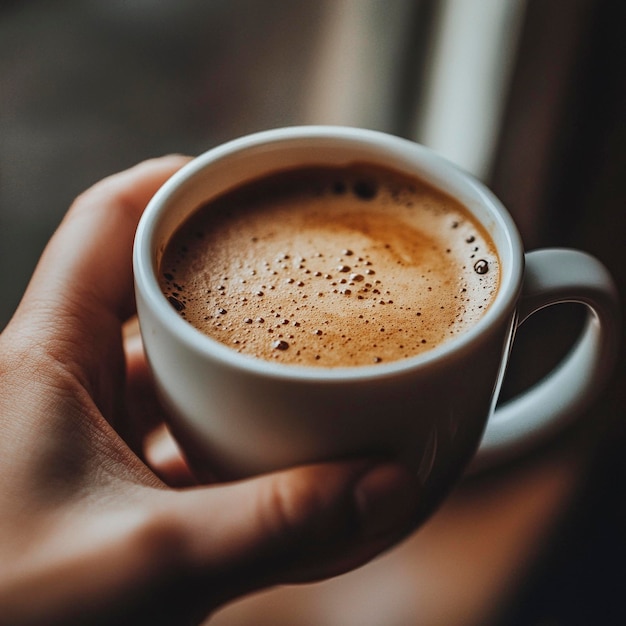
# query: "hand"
{"type": "Point", "coordinates": [89, 534]}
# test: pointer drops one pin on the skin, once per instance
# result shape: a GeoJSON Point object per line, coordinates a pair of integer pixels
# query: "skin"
{"type": "Point", "coordinates": [96, 526]}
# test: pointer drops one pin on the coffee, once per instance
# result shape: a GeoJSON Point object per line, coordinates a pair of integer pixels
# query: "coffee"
{"type": "Point", "coordinates": [331, 267]}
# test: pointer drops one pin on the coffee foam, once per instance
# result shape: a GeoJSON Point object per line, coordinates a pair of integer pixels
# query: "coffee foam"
{"type": "Point", "coordinates": [331, 267]}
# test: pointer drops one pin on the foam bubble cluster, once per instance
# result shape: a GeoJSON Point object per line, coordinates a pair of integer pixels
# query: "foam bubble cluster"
{"type": "Point", "coordinates": [331, 267]}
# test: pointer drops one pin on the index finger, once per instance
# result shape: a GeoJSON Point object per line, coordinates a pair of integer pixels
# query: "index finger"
{"type": "Point", "coordinates": [88, 261]}
{"type": "Point", "coordinates": [82, 288]}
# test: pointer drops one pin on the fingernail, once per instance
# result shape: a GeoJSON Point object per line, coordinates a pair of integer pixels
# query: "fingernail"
{"type": "Point", "coordinates": [386, 499]}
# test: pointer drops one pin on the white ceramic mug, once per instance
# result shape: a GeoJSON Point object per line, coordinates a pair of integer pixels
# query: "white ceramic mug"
{"type": "Point", "coordinates": [431, 411]}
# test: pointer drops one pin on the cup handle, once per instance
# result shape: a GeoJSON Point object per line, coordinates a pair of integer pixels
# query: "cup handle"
{"type": "Point", "coordinates": [554, 276]}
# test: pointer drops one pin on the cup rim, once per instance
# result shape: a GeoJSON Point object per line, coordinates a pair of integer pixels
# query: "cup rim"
{"type": "Point", "coordinates": [415, 156]}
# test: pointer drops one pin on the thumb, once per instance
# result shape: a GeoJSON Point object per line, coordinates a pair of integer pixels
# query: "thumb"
{"type": "Point", "coordinates": [294, 526]}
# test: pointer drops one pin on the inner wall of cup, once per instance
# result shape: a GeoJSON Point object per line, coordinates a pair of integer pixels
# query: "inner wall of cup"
{"type": "Point", "coordinates": [219, 170]}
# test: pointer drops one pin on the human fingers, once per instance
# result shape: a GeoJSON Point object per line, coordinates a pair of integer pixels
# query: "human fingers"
{"type": "Point", "coordinates": [89, 258]}
{"type": "Point", "coordinates": [165, 557]}
{"type": "Point", "coordinates": [166, 459]}
{"type": "Point", "coordinates": [298, 525]}
{"type": "Point", "coordinates": [82, 288]}
{"type": "Point", "coordinates": [143, 412]}
{"type": "Point", "coordinates": [143, 424]}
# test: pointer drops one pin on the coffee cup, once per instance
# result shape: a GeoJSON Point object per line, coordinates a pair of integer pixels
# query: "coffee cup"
{"type": "Point", "coordinates": [434, 410]}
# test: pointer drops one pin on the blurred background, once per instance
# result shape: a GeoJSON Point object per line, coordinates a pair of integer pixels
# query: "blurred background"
{"type": "Point", "coordinates": [528, 95]}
